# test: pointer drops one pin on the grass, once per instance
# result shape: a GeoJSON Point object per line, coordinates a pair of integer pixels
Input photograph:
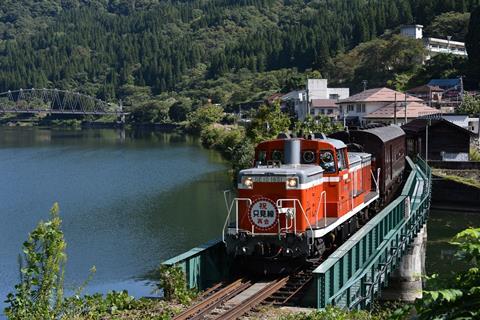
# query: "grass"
{"type": "Point", "coordinates": [470, 181]}
{"type": "Point", "coordinates": [474, 154]}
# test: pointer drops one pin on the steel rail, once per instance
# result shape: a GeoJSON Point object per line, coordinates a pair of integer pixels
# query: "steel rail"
{"type": "Point", "coordinates": [214, 300]}
{"type": "Point", "coordinates": [254, 300]}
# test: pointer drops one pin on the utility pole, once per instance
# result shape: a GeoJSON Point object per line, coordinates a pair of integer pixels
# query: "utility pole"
{"type": "Point", "coordinates": [395, 110]}
{"type": "Point", "coordinates": [364, 83]}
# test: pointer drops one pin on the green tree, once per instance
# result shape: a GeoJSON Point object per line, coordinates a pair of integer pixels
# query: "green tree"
{"type": "Point", "coordinates": [459, 296]}
{"type": "Point", "coordinates": [39, 295]}
{"type": "Point", "coordinates": [267, 123]}
{"type": "Point", "coordinates": [179, 110]}
{"type": "Point", "coordinates": [470, 105]}
{"type": "Point", "coordinates": [152, 111]}
{"type": "Point", "coordinates": [318, 124]}
{"type": "Point", "coordinates": [205, 116]}
{"type": "Point", "coordinates": [454, 24]}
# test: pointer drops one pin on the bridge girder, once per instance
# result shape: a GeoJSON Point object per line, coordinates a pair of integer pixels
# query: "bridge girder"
{"type": "Point", "coordinates": [55, 101]}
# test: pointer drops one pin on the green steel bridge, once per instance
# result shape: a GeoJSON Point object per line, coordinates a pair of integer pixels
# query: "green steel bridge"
{"type": "Point", "coordinates": [357, 272]}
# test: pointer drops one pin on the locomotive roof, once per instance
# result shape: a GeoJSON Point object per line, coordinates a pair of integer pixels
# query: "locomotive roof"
{"type": "Point", "coordinates": [284, 169]}
{"type": "Point", "coordinates": [338, 144]}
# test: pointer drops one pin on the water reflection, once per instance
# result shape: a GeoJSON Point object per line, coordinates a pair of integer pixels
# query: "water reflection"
{"type": "Point", "coordinates": [129, 199]}
{"type": "Point", "coordinates": [442, 227]}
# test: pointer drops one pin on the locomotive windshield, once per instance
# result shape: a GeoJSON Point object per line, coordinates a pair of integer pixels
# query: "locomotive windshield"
{"type": "Point", "coordinates": [327, 161]}
{"type": "Point", "coordinates": [341, 159]}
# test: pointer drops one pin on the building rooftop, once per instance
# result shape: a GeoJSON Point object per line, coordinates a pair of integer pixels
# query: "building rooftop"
{"type": "Point", "coordinates": [419, 125]}
{"type": "Point", "coordinates": [324, 103]}
{"type": "Point", "coordinates": [380, 95]}
{"type": "Point", "coordinates": [445, 83]}
{"type": "Point", "coordinates": [414, 110]}
{"type": "Point", "coordinates": [425, 88]}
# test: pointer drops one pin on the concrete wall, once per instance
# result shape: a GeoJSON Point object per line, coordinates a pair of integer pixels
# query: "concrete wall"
{"type": "Point", "coordinates": [447, 194]}
{"type": "Point", "coordinates": [455, 165]}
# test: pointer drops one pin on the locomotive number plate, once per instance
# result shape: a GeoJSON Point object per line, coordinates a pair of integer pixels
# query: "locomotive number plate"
{"type": "Point", "coordinates": [263, 213]}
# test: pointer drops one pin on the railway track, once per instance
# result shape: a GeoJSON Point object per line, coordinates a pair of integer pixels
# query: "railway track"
{"type": "Point", "coordinates": [244, 295]}
{"type": "Point", "coordinates": [213, 298]}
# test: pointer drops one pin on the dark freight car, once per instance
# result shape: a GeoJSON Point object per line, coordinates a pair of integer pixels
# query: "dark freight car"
{"type": "Point", "coordinates": [387, 146]}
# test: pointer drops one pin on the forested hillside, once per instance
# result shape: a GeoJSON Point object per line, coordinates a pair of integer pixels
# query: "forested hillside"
{"type": "Point", "coordinates": [119, 48]}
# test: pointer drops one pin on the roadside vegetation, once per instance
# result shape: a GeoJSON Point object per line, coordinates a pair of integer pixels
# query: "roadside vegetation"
{"type": "Point", "coordinates": [467, 177]}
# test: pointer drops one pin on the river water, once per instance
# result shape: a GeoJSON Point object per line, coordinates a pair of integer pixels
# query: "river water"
{"type": "Point", "coordinates": [128, 200]}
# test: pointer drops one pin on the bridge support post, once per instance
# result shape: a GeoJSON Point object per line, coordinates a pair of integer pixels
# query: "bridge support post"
{"type": "Point", "coordinates": [406, 283]}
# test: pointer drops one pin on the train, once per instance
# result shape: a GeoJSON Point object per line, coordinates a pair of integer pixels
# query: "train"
{"type": "Point", "coordinates": [303, 197]}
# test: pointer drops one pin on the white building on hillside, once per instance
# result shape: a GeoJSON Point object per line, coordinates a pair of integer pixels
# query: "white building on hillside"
{"type": "Point", "coordinates": [434, 46]}
{"type": "Point", "coordinates": [316, 99]}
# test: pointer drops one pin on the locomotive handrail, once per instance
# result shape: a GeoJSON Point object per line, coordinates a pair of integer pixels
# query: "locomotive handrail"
{"type": "Point", "coordinates": [323, 195]}
{"type": "Point", "coordinates": [376, 181]}
{"type": "Point", "coordinates": [279, 205]}
{"type": "Point", "coordinates": [229, 211]}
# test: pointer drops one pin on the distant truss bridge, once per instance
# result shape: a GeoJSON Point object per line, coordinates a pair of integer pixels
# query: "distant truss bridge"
{"type": "Point", "coordinates": [54, 101]}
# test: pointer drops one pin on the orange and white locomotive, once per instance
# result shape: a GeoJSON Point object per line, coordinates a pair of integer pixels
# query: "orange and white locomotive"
{"type": "Point", "coordinates": [302, 197]}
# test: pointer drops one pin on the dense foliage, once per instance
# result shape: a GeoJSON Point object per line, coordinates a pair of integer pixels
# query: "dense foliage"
{"type": "Point", "coordinates": [470, 105]}
{"type": "Point", "coordinates": [110, 48]}
{"type": "Point", "coordinates": [453, 24]}
{"type": "Point", "coordinates": [459, 293]}
{"type": "Point", "coordinates": [39, 294]}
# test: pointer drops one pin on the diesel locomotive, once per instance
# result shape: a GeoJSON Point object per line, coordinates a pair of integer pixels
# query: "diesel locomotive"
{"type": "Point", "coordinates": [305, 196]}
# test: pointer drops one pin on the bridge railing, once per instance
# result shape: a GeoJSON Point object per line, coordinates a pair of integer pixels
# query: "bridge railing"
{"type": "Point", "coordinates": [356, 272]}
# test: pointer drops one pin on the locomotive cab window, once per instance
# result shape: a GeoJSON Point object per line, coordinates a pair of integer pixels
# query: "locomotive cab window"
{"type": "Point", "coordinates": [262, 156]}
{"type": "Point", "coordinates": [308, 156]}
{"type": "Point", "coordinates": [342, 164]}
{"type": "Point", "coordinates": [327, 161]}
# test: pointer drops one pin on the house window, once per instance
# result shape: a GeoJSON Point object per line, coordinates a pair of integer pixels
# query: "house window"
{"type": "Point", "coordinates": [329, 111]}
{"type": "Point", "coordinates": [322, 111]}
{"type": "Point", "coordinates": [349, 107]}
{"type": "Point", "coordinates": [334, 96]}
{"type": "Point", "coordinates": [359, 108]}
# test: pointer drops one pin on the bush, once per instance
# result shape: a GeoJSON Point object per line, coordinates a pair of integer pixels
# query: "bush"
{"type": "Point", "coordinates": [459, 293]}
{"type": "Point", "coordinates": [334, 313]}
{"type": "Point", "coordinates": [174, 285]}
{"type": "Point", "coordinates": [39, 295]}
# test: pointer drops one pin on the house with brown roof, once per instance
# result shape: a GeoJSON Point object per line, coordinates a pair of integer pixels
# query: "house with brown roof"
{"type": "Point", "coordinates": [399, 114]}
{"type": "Point", "coordinates": [356, 107]}
{"type": "Point", "coordinates": [432, 95]}
{"type": "Point", "coordinates": [324, 107]}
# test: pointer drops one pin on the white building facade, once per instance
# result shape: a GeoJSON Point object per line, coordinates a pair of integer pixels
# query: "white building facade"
{"type": "Point", "coordinates": [434, 46]}
{"type": "Point", "coordinates": [317, 89]}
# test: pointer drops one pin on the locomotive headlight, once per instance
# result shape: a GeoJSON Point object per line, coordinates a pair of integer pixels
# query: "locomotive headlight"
{"type": "Point", "coordinates": [248, 182]}
{"type": "Point", "coordinates": [292, 183]}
